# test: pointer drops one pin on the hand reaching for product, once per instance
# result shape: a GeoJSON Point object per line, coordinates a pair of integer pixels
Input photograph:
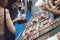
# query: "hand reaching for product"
{"type": "Point", "coordinates": [23, 17]}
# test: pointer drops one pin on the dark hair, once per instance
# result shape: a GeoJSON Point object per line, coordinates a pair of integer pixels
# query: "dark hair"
{"type": "Point", "coordinates": [2, 3]}
{"type": "Point", "coordinates": [9, 7]}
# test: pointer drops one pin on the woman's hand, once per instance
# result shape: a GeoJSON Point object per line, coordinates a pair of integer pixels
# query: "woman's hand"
{"type": "Point", "coordinates": [53, 7]}
{"type": "Point", "coordinates": [23, 17]}
{"type": "Point", "coordinates": [44, 7]}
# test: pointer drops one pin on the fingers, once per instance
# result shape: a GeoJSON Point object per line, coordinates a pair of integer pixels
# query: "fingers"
{"type": "Point", "coordinates": [43, 7]}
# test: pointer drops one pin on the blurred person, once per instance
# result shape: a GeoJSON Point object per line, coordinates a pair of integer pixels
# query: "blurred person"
{"type": "Point", "coordinates": [5, 21]}
{"type": "Point", "coordinates": [56, 11]}
{"type": "Point", "coordinates": [17, 18]}
{"type": "Point", "coordinates": [29, 5]}
{"type": "Point", "coordinates": [12, 6]}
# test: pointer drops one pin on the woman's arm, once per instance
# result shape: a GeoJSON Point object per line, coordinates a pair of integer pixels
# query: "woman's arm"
{"type": "Point", "coordinates": [19, 18]}
{"type": "Point", "coordinates": [55, 11]}
{"type": "Point", "coordinates": [50, 3]}
{"type": "Point", "coordinates": [9, 22]}
{"type": "Point", "coordinates": [23, 17]}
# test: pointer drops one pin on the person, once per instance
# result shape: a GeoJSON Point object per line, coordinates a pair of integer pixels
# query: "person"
{"type": "Point", "coordinates": [12, 6]}
{"type": "Point", "coordinates": [53, 5]}
{"type": "Point", "coordinates": [56, 11]}
{"type": "Point", "coordinates": [5, 20]}
{"type": "Point", "coordinates": [29, 5]}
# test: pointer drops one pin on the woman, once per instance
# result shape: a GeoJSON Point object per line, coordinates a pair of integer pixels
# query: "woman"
{"type": "Point", "coordinates": [12, 6]}
{"type": "Point", "coordinates": [5, 21]}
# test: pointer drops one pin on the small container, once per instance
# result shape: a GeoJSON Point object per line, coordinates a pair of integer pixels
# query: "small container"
{"type": "Point", "coordinates": [50, 20]}
{"type": "Point", "coordinates": [54, 26]}
{"type": "Point", "coordinates": [27, 33]}
{"type": "Point", "coordinates": [28, 24]}
{"type": "Point", "coordinates": [57, 24]}
{"type": "Point", "coordinates": [43, 16]}
{"type": "Point", "coordinates": [31, 23]}
{"type": "Point", "coordinates": [37, 20]}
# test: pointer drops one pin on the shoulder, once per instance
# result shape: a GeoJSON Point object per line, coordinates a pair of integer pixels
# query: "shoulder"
{"type": "Point", "coordinates": [7, 11]}
{"type": "Point", "coordinates": [7, 14]}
